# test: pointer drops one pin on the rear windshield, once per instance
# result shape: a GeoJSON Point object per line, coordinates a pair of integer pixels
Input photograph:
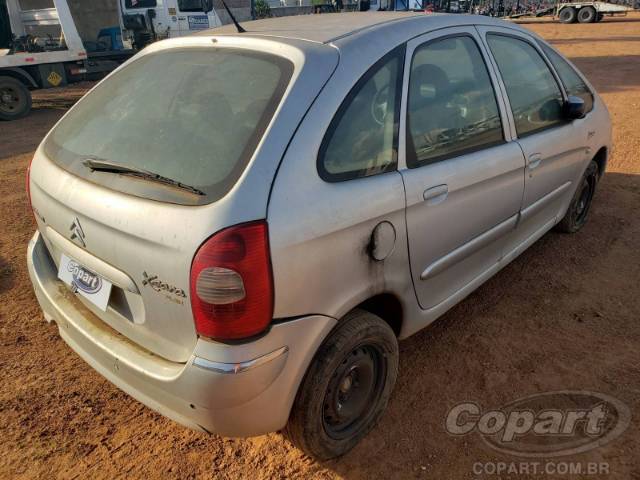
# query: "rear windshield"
{"type": "Point", "coordinates": [191, 115]}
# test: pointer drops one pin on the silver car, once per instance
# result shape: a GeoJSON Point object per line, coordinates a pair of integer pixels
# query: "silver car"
{"type": "Point", "coordinates": [237, 228]}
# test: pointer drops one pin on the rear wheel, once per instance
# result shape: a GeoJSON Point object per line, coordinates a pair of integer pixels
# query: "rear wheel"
{"type": "Point", "coordinates": [576, 215]}
{"type": "Point", "coordinates": [587, 15]}
{"type": "Point", "coordinates": [15, 99]}
{"type": "Point", "coordinates": [346, 388]}
{"type": "Point", "coordinates": [568, 15]}
{"type": "Point", "coordinates": [599, 17]}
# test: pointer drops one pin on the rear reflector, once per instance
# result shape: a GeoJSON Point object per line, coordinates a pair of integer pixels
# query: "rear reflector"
{"type": "Point", "coordinates": [231, 283]}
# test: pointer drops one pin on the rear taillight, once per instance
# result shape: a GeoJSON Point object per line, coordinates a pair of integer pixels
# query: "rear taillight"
{"type": "Point", "coordinates": [231, 283]}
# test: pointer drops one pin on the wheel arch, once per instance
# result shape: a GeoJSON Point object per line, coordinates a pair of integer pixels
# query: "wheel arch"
{"type": "Point", "coordinates": [20, 74]}
{"type": "Point", "coordinates": [601, 158]}
{"type": "Point", "coordinates": [388, 307]}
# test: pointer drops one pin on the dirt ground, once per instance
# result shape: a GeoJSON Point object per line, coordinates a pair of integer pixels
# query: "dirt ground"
{"type": "Point", "coordinates": [564, 315]}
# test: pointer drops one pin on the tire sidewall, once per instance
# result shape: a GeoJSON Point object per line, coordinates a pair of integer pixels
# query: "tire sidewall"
{"type": "Point", "coordinates": [315, 384]}
{"type": "Point", "coordinates": [568, 15]}
{"type": "Point", "coordinates": [25, 98]}
{"type": "Point", "coordinates": [587, 15]}
{"type": "Point", "coordinates": [590, 175]}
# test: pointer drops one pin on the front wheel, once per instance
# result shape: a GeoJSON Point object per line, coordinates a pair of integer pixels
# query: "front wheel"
{"type": "Point", "coordinates": [346, 388]}
{"type": "Point", "coordinates": [576, 215]}
{"type": "Point", "coordinates": [15, 99]}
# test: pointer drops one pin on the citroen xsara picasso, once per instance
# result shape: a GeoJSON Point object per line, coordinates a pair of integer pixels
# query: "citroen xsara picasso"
{"type": "Point", "coordinates": [237, 228]}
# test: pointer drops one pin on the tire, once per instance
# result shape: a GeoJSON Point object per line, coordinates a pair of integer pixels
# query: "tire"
{"type": "Point", "coordinates": [15, 99]}
{"type": "Point", "coordinates": [587, 15]}
{"type": "Point", "coordinates": [568, 15]}
{"type": "Point", "coordinates": [599, 17]}
{"type": "Point", "coordinates": [346, 388]}
{"type": "Point", "coordinates": [578, 210]}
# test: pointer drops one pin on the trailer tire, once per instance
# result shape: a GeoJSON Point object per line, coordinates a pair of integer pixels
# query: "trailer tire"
{"type": "Point", "coordinates": [587, 15]}
{"type": "Point", "coordinates": [568, 15]}
{"type": "Point", "coordinates": [15, 98]}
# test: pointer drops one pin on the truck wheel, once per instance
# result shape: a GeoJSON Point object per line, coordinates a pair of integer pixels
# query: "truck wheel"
{"type": "Point", "coordinates": [576, 215]}
{"type": "Point", "coordinates": [568, 15]}
{"type": "Point", "coordinates": [599, 17]}
{"type": "Point", "coordinates": [346, 388]}
{"type": "Point", "coordinates": [587, 15]}
{"type": "Point", "coordinates": [15, 99]}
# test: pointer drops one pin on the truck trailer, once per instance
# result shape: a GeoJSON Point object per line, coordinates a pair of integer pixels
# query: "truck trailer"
{"type": "Point", "coordinates": [588, 12]}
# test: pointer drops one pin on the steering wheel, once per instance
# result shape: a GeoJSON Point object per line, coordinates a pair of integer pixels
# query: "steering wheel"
{"type": "Point", "coordinates": [380, 105]}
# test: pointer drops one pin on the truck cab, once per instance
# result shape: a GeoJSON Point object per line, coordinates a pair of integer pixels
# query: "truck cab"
{"type": "Point", "coordinates": [172, 18]}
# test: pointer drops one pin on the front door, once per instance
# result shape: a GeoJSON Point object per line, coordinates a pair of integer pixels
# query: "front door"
{"type": "Point", "coordinates": [463, 175]}
{"type": "Point", "coordinates": [548, 141]}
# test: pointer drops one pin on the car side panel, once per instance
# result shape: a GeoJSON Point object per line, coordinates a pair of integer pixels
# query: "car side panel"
{"type": "Point", "coordinates": [320, 232]}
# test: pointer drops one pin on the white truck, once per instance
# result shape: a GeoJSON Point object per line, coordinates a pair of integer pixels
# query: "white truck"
{"type": "Point", "coordinates": [41, 46]}
{"type": "Point", "coordinates": [149, 20]}
{"type": "Point", "coordinates": [588, 12]}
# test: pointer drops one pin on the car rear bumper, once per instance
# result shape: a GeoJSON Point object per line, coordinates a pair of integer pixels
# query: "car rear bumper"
{"type": "Point", "coordinates": [233, 390]}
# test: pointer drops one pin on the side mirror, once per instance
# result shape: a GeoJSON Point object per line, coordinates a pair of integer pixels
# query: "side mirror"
{"type": "Point", "coordinates": [573, 108]}
{"type": "Point", "coordinates": [207, 6]}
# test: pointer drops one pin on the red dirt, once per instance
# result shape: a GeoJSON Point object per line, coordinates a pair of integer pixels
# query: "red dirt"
{"type": "Point", "coordinates": [564, 315]}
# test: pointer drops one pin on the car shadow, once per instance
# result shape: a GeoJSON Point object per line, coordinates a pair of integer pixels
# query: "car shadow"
{"type": "Point", "coordinates": [6, 275]}
{"type": "Point", "coordinates": [566, 303]}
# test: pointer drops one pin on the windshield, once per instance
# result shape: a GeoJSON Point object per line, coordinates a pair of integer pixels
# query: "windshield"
{"type": "Point", "coordinates": [192, 115]}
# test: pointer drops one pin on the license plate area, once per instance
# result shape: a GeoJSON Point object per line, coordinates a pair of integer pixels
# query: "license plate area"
{"type": "Point", "coordinates": [84, 282]}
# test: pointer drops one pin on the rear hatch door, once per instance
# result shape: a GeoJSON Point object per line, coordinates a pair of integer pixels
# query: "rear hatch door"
{"type": "Point", "coordinates": [214, 118]}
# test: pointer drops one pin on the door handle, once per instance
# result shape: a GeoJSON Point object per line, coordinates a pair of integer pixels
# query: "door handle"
{"type": "Point", "coordinates": [534, 160]}
{"type": "Point", "coordinates": [435, 195]}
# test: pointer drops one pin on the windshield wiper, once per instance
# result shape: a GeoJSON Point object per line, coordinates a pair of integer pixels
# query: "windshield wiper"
{"type": "Point", "coordinates": [99, 165]}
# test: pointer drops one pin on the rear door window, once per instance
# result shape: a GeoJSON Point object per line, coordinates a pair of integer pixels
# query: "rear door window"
{"type": "Point", "coordinates": [192, 115]}
{"type": "Point", "coordinates": [573, 84]}
{"type": "Point", "coordinates": [535, 96]}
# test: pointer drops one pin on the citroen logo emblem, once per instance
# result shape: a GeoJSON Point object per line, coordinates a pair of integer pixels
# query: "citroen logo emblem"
{"type": "Point", "coordinates": [77, 233]}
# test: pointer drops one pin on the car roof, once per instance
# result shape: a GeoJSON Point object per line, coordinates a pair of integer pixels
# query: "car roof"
{"type": "Point", "coordinates": [331, 27]}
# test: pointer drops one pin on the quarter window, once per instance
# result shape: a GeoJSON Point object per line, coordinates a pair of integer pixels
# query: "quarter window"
{"type": "Point", "coordinates": [535, 97]}
{"type": "Point", "coordinates": [573, 84]}
{"type": "Point", "coordinates": [362, 138]}
{"type": "Point", "coordinates": [452, 106]}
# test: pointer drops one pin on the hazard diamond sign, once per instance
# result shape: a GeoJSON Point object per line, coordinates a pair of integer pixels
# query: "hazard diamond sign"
{"type": "Point", "coordinates": [54, 79]}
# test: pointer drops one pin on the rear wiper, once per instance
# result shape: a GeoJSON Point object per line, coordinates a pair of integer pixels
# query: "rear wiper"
{"type": "Point", "coordinates": [99, 165]}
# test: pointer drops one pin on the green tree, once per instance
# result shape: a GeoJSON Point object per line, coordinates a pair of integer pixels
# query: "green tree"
{"type": "Point", "coordinates": [262, 9]}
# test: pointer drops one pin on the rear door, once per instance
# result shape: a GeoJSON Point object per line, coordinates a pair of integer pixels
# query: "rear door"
{"type": "Point", "coordinates": [462, 174]}
{"type": "Point", "coordinates": [553, 147]}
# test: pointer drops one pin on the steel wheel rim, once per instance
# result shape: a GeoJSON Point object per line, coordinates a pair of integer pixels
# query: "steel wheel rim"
{"type": "Point", "coordinates": [9, 100]}
{"type": "Point", "coordinates": [353, 391]}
